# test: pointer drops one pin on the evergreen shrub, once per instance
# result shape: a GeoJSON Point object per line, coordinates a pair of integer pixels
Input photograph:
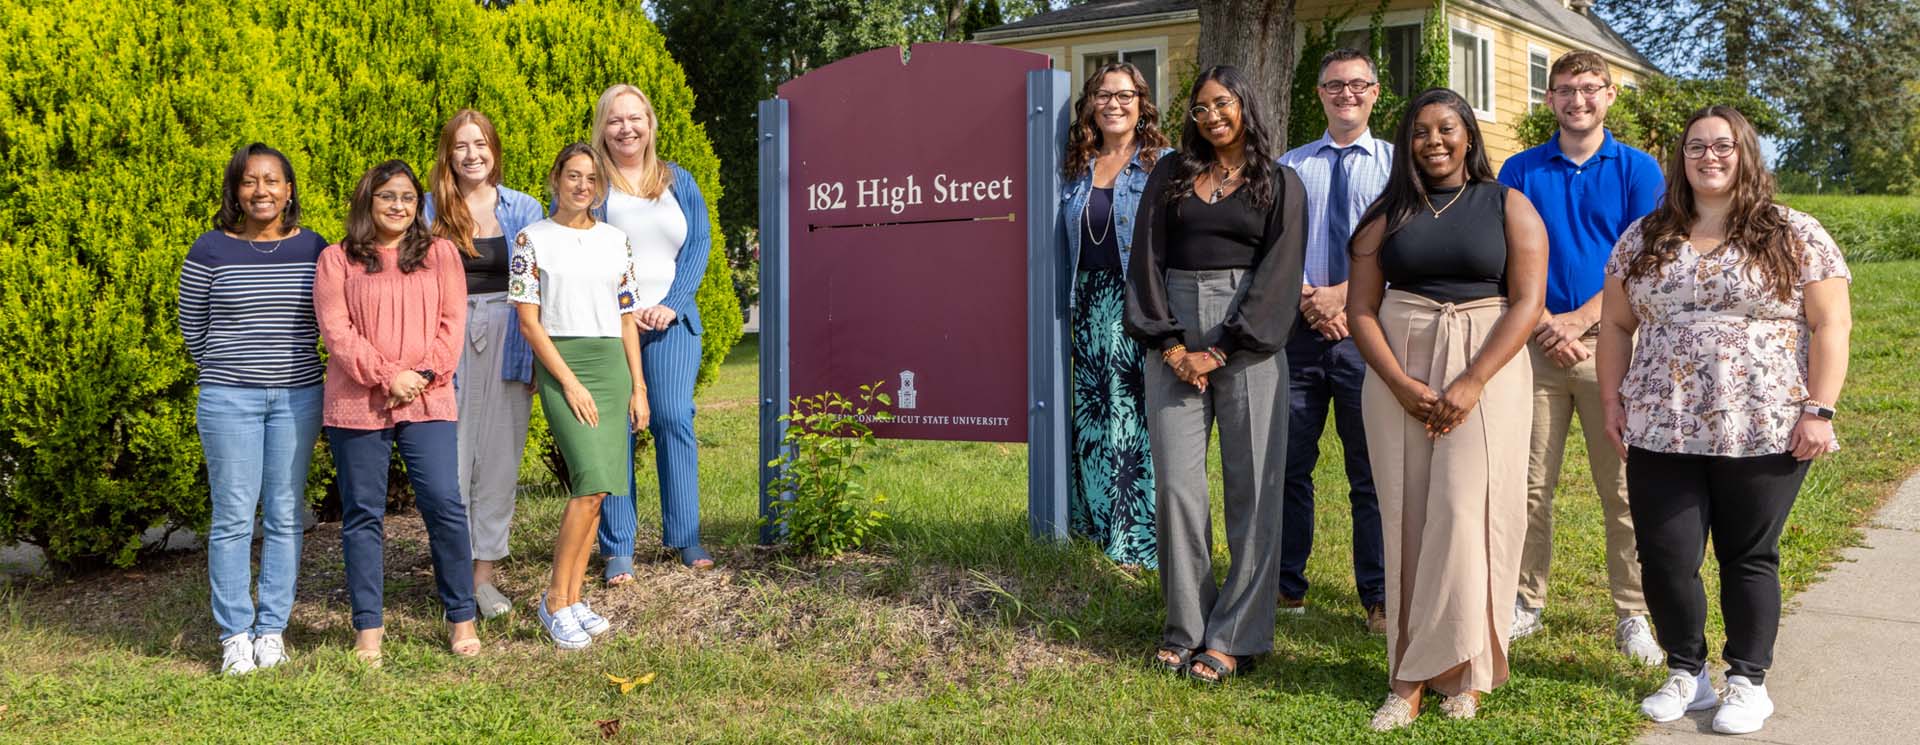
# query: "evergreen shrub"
{"type": "Point", "coordinates": [117, 120]}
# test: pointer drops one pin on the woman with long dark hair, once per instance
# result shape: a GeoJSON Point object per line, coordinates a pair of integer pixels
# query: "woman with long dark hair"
{"type": "Point", "coordinates": [1112, 146]}
{"type": "Point", "coordinates": [246, 314]}
{"type": "Point", "coordinates": [1448, 405]}
{"type": "Point", "coordinates": [573, 287]}
{"type": "Point", "coordinates": [659, 207]}
{"type": "Point", "coordinates": [1721, 402]}
{"type": "Point", "coordinates": [392, 305]}
{"type": "Point", "coordinates": [494, 384]}
{"type": "Point", "coordinates": [1213, 289]}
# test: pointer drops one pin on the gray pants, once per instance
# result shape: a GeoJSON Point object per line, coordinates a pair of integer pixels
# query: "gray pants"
{"type": "Point", "coordinates": [492, 427]}
{"type": "Point", "coordinates": [1248, 400]}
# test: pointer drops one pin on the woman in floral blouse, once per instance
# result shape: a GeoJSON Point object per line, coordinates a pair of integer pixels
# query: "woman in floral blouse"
{"type": "Point", "coordinates": [1741, 310]}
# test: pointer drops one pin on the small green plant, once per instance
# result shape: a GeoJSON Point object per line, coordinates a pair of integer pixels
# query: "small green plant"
{"type": "Point", "coordinates": [822, 504]}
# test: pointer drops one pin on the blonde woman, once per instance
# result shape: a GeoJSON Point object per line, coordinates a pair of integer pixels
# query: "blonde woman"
{"type": "Point", "coordinates": [659, 207]}
{"type": "Point", "coordinates": [572, 286]}
{"type": "Point", "coordinates": [495, 382]}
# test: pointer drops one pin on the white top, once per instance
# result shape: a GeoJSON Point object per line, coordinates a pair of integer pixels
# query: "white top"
{"type": "Point", "coordinates": [656, 228]}
{"type": "Point", "coordinates": [581, 279]}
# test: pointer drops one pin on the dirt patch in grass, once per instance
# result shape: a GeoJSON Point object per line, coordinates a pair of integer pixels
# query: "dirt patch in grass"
{"type": "Point", "coordinates": [880, 629]}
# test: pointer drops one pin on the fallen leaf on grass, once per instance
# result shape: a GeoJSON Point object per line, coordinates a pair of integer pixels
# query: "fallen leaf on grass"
{"type": "Point", "coordinates": [626, 685]}
{"type": "Point", "coordinates": [608, 728]}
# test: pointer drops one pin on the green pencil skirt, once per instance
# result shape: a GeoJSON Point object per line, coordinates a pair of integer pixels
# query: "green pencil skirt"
{"type": "Point", "coordinates": [596, 456]}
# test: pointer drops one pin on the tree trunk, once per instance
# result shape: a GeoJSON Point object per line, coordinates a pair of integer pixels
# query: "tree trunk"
{"type": "Point", "coordinates": [1738, 42]}
{"type": "Point", "coordinates": [1257, 37]}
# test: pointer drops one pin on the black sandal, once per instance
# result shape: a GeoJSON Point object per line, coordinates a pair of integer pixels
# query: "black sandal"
{"type": "Point", "coordinates": [1220, 670]}
{"type": "Point", "coordinates": [1183, 657]}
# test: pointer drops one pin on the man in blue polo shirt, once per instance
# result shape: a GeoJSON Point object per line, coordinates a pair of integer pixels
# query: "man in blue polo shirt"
{"type": "Point", "coordinates": [1588, 188]}
{"type": "Point", "coordinates": [1343, 172]}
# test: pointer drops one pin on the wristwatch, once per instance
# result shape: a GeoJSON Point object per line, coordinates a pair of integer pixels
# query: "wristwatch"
{"type": "Point", "coordinates": [1817, 409]}
{"type": "Point", "coordinates": [428, 374]}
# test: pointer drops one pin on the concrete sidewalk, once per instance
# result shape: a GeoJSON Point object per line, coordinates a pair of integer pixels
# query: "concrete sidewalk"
{"type": "Point", "coordinates": [1843, 668]}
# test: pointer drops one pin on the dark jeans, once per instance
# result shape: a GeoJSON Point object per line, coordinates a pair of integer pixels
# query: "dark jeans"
{"type": "Point", "coordinates": [1325, 373]}
{"type": "Point", "coordinates": [1677, 501]}
{"type": "Point", "coordinates": [361, 457]}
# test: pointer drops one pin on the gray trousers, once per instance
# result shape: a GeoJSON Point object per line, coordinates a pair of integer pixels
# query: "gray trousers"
{"type": "Point", "coordinates": [492, 429]}
{"type": "Point", "coordinates": [1248, 400]}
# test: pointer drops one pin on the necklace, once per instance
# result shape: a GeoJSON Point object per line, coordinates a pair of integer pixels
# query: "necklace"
{"type": "Point", "coordinates": [1086, 218]}
{"type": "Point", "coordinates": [256, 246]}
{"type": "Point", "coordinates": [1436, 212]}
{"type": "Point", "coordinates": [1226, 180]}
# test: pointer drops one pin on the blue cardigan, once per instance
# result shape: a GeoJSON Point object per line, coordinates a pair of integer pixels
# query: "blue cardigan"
{"type": "Point", "coordinates": [690, 267]}
{"type": "Point", "coordinates": [515, 211]}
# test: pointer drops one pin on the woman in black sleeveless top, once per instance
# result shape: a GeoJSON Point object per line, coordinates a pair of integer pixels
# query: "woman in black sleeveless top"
{"type": "Point", "coordinates": [1447, 403]}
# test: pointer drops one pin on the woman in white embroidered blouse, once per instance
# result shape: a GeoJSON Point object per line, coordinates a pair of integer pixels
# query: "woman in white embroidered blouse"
{"type": "Point", "coordinates": [1722, 402]}
{"type": "Point", "coordinates": [571, 279]}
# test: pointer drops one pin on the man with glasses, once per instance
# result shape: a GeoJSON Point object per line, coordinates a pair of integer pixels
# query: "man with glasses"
{"type": "Point", "coordinates": [1588, 188]}
{"type": "Point", "coordinates": [1343, 171]}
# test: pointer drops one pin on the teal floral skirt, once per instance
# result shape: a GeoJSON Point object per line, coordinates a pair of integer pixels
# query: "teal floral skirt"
{"type": "Point", "coordinates": [1110, 499]}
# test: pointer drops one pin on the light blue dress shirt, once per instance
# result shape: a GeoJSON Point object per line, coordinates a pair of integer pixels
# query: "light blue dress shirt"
{"type": "Point", "coordinates": [1366, 177]}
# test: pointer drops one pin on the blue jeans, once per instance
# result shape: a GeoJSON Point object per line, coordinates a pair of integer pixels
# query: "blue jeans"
{"type": "Point", "coordinates": [1327, 373]}
{"type": "Point", "coordinates": [257, 442]}
{"type": "Point", "coordinates": [428, 450]}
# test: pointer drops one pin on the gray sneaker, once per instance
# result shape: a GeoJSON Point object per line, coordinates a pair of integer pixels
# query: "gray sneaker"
{"type": "Point", "coordinates": [1526, 621]}
{"type": "Point", "coordinates": [1634, 638]}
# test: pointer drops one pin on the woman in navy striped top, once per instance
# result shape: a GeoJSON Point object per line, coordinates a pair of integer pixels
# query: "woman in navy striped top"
{"type": "Point", "coordinates": [246, 312]}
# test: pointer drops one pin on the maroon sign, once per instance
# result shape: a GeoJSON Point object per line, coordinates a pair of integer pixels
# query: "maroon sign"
{"type": "Point", "coordinates": [908, 242]}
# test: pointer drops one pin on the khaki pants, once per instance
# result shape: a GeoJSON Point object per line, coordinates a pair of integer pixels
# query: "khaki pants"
{"type": "Point", "coordinates": [1557, 392]}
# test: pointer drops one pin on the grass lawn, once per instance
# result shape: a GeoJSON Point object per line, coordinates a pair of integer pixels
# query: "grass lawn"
{"type": "Point", "coordinates": [954, 628]}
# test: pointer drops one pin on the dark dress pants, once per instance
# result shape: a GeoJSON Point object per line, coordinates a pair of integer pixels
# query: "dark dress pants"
{"type": "Point", "coordinates": [1328, 375]}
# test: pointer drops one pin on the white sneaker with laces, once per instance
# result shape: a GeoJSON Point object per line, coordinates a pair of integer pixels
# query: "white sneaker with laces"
{"type": "Point", "coordinates": [1683, 692]}
{"type": "Point", "coordinates": [592, 623]}
{"type": "Point", "coordinates": [1634, 638]}
{"type": "Point", "coordinates": [1526, 621]}
{"type": "Point", "coordinates": [236, 655]}
{"type": "Point", "coordinates": [269, 650]}
{"type": "Point", "coordinates": [561, 627]}
{"type": "Point", "coordinates": [1745, 708]}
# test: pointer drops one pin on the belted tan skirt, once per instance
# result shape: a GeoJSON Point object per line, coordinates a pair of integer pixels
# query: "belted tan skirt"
{"type": "Point", "coordinates": [1454, 509]}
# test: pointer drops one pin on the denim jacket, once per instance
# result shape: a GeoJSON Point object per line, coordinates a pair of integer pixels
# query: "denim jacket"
{"type": "Point", "coordinates": [515, 211]}
{"type": "Point", "coordinates": [1126, 203]}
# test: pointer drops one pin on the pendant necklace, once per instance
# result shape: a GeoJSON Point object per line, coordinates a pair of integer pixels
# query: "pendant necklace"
{"type": "Point", "coordinates": [1436, 212]}
{"type": "Point", "coordinates": [1225, 181]}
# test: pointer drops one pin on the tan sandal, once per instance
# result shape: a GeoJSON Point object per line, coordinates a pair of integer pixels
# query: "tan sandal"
{"type": "Point", "coordinates": [468, 647]}
{"type": "Point", "coordinates": [1463, 706]}
{"type": "Point", "coordinates": [1397, 712]}
{"type": "Point", "coordinates": [369, 656]}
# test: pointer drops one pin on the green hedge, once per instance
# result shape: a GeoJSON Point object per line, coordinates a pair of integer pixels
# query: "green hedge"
{"type": "Point", "coordinates": [117, 119]}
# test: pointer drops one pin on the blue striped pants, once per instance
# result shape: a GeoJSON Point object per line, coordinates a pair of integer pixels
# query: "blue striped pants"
{"type": "Point", "coordinates": [671, 361]}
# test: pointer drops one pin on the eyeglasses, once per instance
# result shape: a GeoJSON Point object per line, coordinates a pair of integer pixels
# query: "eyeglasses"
{"type": "Point", "coordinates": [1589, 90]}
{"type": "Point", "coordinates": [1219, 108]}
{"type": "Point", "coordinates": [392, 198]}
{"type": "Point", "coordinates": [1359, 87]}
{"type": "Point", "coordinates": [1124, 98]}
{"type": "Point", "coordinates": [1696, 150]}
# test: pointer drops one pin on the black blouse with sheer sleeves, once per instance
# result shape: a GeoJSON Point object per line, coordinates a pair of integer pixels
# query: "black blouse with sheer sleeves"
{"type": "Point", "coordinates": [1263, 316]}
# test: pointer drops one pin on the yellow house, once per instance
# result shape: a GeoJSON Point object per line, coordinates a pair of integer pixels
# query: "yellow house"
{"type": "Point", "coordinates": [1500, 55]}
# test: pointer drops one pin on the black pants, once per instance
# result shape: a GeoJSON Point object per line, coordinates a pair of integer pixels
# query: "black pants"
{"type": "Point", "coordinates": [1677, 500]}
{"type": "Point", "coordinates": [1324, 374]}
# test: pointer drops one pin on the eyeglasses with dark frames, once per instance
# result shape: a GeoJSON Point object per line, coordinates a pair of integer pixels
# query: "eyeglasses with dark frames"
{"type": "Point", "coordinates": [1124, 98]}
{"type": "Point", "coordinates": [1358, 86]}
{"type": "Point", "coordinates": [1696, 150]}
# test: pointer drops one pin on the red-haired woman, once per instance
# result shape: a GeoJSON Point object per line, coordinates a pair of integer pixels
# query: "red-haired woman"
{"type": "Point", "coordinates": [494, 385]}
{"type": "Point", "coordinates": [1721, 402]}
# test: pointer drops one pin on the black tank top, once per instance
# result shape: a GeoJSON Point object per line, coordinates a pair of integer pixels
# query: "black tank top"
{"type": "Point", "coordinates": [1457, 257]}
{"type": "Point", "coordinates": [488, 271]}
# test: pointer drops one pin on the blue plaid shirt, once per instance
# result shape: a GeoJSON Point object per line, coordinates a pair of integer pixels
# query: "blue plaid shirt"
{"type": "Point", "coordinates": [1366, 178]}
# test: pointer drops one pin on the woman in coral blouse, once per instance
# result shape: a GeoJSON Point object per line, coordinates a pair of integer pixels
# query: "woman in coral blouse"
{"type": "Point", "coordinates": [392, 304]}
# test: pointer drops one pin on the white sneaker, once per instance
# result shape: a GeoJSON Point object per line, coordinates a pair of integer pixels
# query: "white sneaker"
{"type": "Point", "coordinates": [561, 627]}
{"type": "Point", "coordinates": [236, 655]}
{"type": "Point", "coordinates": [269, 650]}
{"type": "Point", "coordinates": [1746, 707]}
{"type": "Point", "coordinates": [1682, 693]}
{"type": "Point", "coordinates": [592, 623]}
{"type": "Point", "coordinates": [1634, 638]}
{"type": "Point", "coordinates": [1526, 621]}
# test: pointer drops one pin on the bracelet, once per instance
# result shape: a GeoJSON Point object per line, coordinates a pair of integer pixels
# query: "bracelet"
{"type": "Point", "coordinates": [1218, 356]}
{"type": "Point", "coordinates": [1173, 352]}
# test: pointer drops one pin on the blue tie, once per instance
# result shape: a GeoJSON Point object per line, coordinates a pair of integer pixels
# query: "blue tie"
{"type": "Point", "coordinates": [1339, 221]}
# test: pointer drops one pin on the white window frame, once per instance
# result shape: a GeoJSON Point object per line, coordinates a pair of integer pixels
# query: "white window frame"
{"type": "Point", "coordinates": [1155, 44]}
{"type": "Point", "coordinates": [1484, 36]}
{"type": "Point", "coordinates": [1545, 55]}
